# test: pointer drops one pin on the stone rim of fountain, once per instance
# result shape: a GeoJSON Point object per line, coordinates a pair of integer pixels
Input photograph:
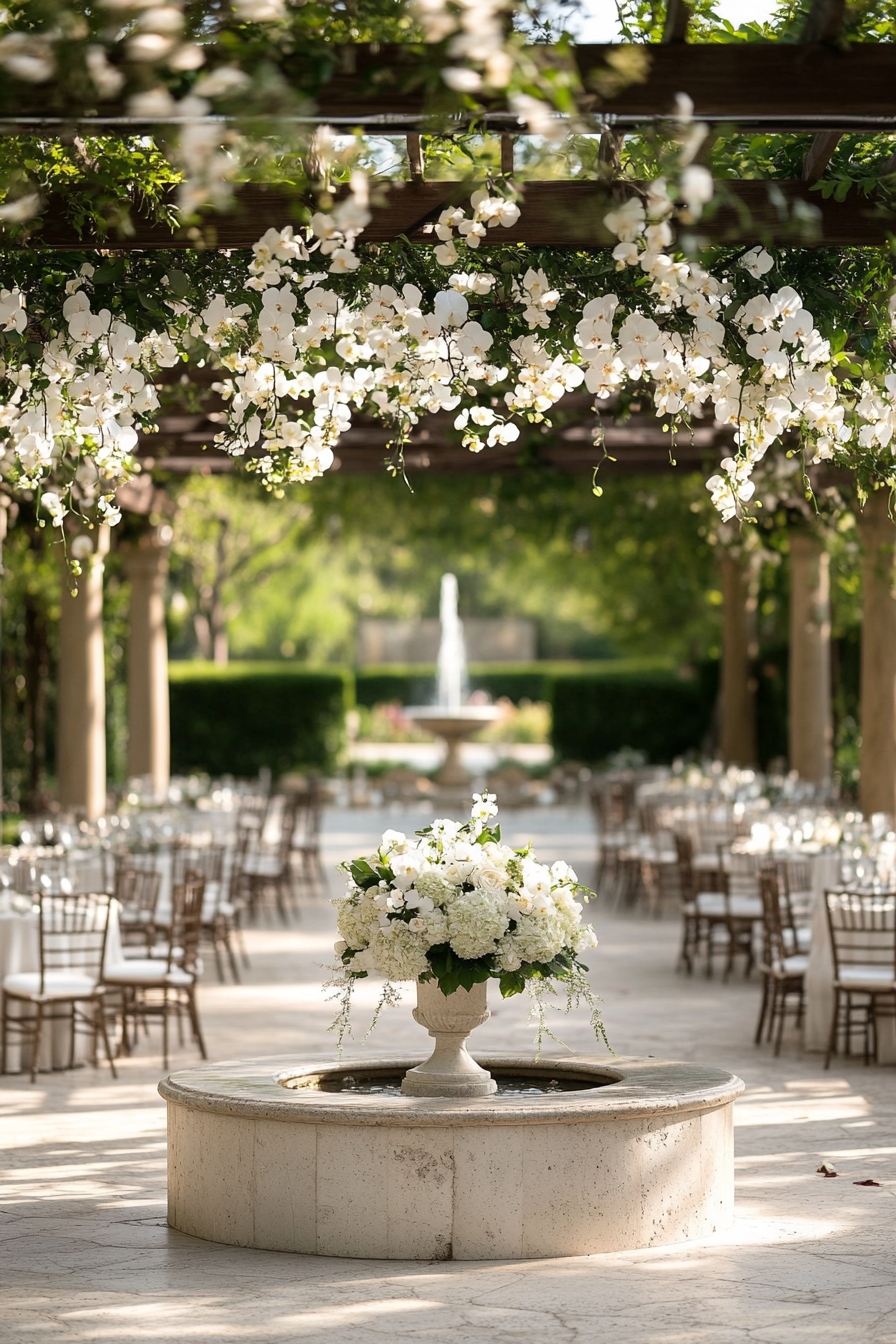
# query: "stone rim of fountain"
{"type": "Point", "coordinates": [630, 1087]}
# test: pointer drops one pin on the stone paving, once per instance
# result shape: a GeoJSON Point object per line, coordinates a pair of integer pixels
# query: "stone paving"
{"type": "Point", "coordinates": [86, 1254]}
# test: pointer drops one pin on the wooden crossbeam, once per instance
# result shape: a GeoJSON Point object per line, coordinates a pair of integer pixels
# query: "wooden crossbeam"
{"type": "Point", "coordinates": [824, 23]}
{"type": "Point", "coordinates": [678, 16]}
{"type": "Point", "coordinates": [554, 214]}
{"type": "Point", "coordinates": [819, 155]}
{"type": "Point", "coordinates": [639, 447]}
{"type": "Point", "coordinates": [777, 86]}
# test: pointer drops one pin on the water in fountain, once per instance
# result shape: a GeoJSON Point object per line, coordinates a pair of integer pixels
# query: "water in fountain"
{"type": "Point", "coordinates": [452, 686]}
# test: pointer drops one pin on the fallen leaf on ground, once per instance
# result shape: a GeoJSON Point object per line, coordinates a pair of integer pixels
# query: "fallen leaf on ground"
{"type": "Point", "coordinates": [826, 1170]}
{"type": "Point", "coordinates": [866, 1182]}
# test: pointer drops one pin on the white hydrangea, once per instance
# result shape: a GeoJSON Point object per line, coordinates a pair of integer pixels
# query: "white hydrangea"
{"type": "Point", "coordinates": [476, 920]}
{"type": "Point", "coordinates": [433, 884]}
{"type": "Point", "coordinates": [356, 919]}
{"type": "Point", "coordinates": [398, 953]}
{"type": "Point", "coordinates": [538, 938]}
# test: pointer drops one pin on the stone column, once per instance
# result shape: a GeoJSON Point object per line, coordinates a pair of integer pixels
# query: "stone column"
{"type": "Point", "coordinates": [738, 699]}
{"type": "Point", "coordinates": [809, 690]}
{"type": "Point", "coordinates": [81, 715]}
{"type": "Point", "coordinates": [877, 761]}
{"type": "Point", "coordinates": [149, 748]}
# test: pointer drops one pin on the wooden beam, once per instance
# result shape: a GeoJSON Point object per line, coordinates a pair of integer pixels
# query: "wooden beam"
{"type": "Point", "coordinates": [609, 153]}
{"type": "Point", "coordinates": [824, 23]}
{"type": "Point", "coordinates": [776, 86]}
{"type": "Point", "coordinates": [415, 156]}
{"type": "Point", "coordinates": [507, 163]}
{"type": "Point", "coordinates": [678, 16]}
{"type": "Point", "coordinates": [819, 155]}
{"type": "Point", "coordinates": [554, 214]}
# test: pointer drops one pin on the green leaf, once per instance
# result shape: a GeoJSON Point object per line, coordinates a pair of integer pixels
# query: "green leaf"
{"type": "Point", "coordinates": [362, 874]}
{"type": "Point", "coordinates": [178, 284]}
{"type": "Point", "coordinates": [510, 983]}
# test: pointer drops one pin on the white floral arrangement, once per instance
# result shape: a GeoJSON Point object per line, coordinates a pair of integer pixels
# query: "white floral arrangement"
{"type": "Point", "coordinates": [455, 905]}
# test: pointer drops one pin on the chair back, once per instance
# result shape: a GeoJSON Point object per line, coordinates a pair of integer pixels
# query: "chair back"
{"type": "Point", "coordinates": [138, 891]}
{"type": "Point", "coordinates": [308, 810]}
{"type": "Point", "coordinates": [253, 810]}
{"type": "Point", "coordinates": [684, 849]}
{"type": "Point", "coordinates": [774, 944]}
{"type": "Point", "coordinates": [205, 859]}
{"type": "Point", "coordinates": [245, 844]}
{"type": "Point", "coordinates": [741, 871]}
{"type": "Point", "coordinates": [288, 817]}
{"type": "Point", "coordinates": [186, 922]}
{"type": "Point", "coordinates": [863, 928]}
{"type": "Point", "coordinates": [73, 933]}
{"type": "Point", "coordinates": [794, 878]}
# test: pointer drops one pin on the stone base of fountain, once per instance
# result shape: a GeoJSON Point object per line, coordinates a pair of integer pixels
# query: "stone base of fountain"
{"type": "Point", "coordinates": [454, 726]}
{"type": "Point", "coordinates": [575, 1155]}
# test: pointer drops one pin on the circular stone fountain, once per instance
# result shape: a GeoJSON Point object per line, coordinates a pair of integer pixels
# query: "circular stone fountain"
{"type": "Point", "coordinates": [573, 1155]}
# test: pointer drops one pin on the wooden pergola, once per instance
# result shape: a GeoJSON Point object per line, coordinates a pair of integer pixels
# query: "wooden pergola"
{"type": "Point", "coordinates": [816, 88]}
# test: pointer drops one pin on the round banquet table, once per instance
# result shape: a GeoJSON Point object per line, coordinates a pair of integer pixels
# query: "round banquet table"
{"type": "Point", "coordinates": [819, 980]}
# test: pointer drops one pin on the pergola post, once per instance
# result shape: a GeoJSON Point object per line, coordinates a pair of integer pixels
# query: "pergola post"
{"type": "Point", "coordinates": [809, 689]}
{"type": "Point", "coordinates": [877, 789]}
{"type": "Point", "coordinates": [81, 717]}
{"type": "Point", "coordinates": [149, 747]}
{"type": "Point", "coordinates": [738, 699]}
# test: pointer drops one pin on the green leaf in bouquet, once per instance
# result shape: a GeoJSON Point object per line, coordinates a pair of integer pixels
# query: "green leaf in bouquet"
{"type": "Point", "coordinates": [510, 983]}
{"type": "Point", "coordinates": [474, 972]}
{"type": "Point", "coordinates": [363, 874]}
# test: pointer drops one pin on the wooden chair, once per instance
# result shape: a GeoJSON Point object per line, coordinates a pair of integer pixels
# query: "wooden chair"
{"type": "Point", "coordinates": [137, 891]}
{"type": "Point", "coordinates": [268, 873]}
{"type": "Point", "coordinates": [306, 840]}
{"type": "Point", "coordinates": [795, 887]}
{"type": "Point", "coordinates": [165, 986]}
{"type": "Point", "coordinates": [783, 971]}
{"type": "Point", "coordinates": [863, 939]}
{"type": "Point", "coordinates": [743, 903]}
{"type": "Point", "coordinates": [68, 986]}
{"type": "Point", "coordinates": [220, 916]}
{"type": "Point", "coordinates": [704, 917]}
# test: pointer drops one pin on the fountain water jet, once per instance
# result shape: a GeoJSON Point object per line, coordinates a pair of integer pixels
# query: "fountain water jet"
{"type": "Point", "coordinates": [450, 718]}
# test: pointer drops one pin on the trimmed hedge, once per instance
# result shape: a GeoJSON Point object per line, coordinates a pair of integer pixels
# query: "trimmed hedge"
{"type": "Point", "coordinates": [657, 712]}
{"type": "Point", "coordinates": [414, 684]}
{"type": "Point", "coordinates": [236, 719]}
{"type": "Point", "coordinates": [239, 718]}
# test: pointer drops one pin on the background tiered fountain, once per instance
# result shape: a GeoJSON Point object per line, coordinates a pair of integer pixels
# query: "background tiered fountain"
{"type": "Point", "coordinates": [451, 718]}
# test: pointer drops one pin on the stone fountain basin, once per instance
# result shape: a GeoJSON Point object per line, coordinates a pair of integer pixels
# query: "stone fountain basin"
{"type": "Point", "coordinates": [449, 721]}
{"type": "Point", "coordinates": [639, 1154]}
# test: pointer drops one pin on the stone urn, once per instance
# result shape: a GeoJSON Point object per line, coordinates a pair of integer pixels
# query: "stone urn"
{"type": "Point", "coordinates": [449, 1019]}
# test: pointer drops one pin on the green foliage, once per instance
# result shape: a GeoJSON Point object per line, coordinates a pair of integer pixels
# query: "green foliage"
{"type": "Point", "coordinates": [453, 972]}
{"type": "Point", "coordinates": [235, 721]}
{"type": "Point", "coordinates": [629, 575]}
{"type": "Point", "coordinates": [96, 181]}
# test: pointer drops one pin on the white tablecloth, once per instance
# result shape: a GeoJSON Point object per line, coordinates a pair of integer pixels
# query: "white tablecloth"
{"type": "Point", "coordinates": [820, 973]}
{"type": "Point", "coordinates": [20, 951]}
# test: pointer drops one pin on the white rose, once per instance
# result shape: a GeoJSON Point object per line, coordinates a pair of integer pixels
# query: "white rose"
{"type": "Point", "coordinates": [492, 879]}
